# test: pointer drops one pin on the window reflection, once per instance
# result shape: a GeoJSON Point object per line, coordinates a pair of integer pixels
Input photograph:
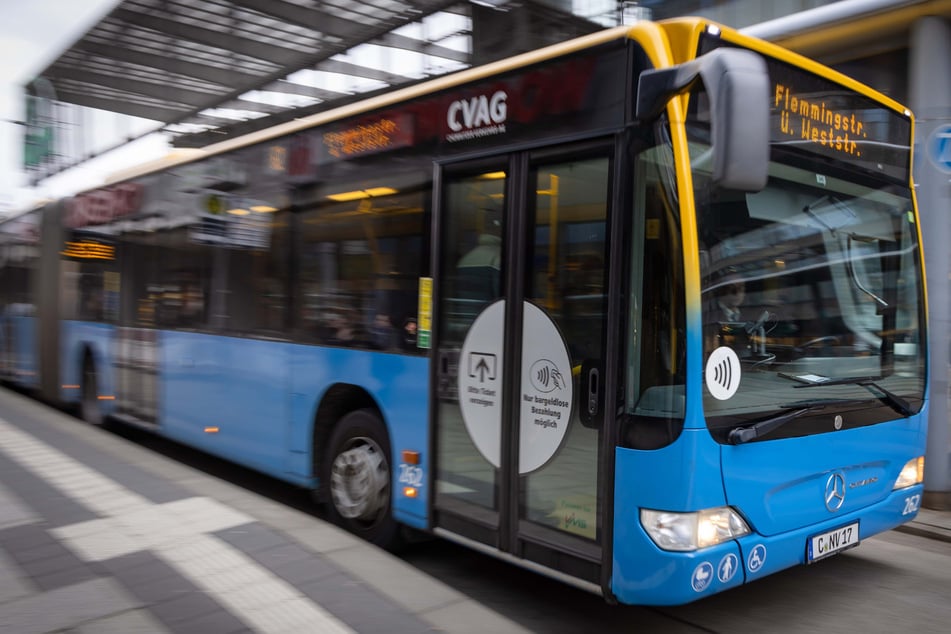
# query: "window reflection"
{"type": "Point", "coordinates": [363, 248]}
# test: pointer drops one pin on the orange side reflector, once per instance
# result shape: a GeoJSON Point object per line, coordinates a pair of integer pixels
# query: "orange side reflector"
{"type": "Point", "coordinates": [410, 457]}
{"type": "Point", "coordinates": [70, 387]}
{"type": "Point", "coordinates": [211, 430]}
{"type": "Point", "coordinates": [409, 492]}
{"type": "Point", "coordinates": [107, 398]}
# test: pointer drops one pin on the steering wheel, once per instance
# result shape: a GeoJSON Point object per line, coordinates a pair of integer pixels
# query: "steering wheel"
{"type": "Point", "coordinates": [828, 339]}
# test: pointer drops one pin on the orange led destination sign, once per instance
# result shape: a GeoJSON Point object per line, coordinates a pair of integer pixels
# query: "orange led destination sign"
{"type": "Point", "coordinates": [87, 250]}
{"type": "Point", "coordinates": [368, 137]}
{"type": "Point", "coordinates": [811, 118]}
{"type": "Point", "coordinates": [814, 114]}
{"type": "Point", "coordinates": [360, 139]}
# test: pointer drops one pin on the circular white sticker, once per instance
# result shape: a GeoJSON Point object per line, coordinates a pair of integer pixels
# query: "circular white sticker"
{"type": "Point", "coordinates": [702, 576]}
{"type": "Point", "coordinates": [723, 373]}
{"type": "Point", "coordinates": [480, 381]}
{"type": "Point", "coordinates": [546, 390]}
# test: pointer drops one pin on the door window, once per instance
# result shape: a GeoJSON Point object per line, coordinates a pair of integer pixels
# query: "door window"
{"type": "Point", "coordinates": [567, 280]}
{"type": "Point", "coordinates": [472, 279]}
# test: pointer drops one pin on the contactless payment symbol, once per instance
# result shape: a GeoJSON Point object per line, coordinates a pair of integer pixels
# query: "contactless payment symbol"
{"type": "Point", "coordinates": [723, 373]}
{"type": "Point", "coordinates": [702, 576]}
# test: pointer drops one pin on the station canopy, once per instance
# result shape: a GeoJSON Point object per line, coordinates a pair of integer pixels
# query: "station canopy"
{"type": "Point", "coordinates": [206, 70]}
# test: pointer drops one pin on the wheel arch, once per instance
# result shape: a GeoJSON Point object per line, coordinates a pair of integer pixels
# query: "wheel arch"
{"type": "Point", "coordinates": [339, 400]}
{"type": "Point", "coordinates": [84, 352]}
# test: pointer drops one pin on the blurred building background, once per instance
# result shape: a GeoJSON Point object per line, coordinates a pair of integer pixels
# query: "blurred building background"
{"type": "Point", "coordinates": [194, 72]}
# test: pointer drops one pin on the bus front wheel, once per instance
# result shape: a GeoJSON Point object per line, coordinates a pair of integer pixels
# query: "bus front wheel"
{"type": "Point", "coordinates": [357, 471]}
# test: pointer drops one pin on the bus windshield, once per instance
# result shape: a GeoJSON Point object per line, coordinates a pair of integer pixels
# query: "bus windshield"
{"type": "Point", "coordinates": [813, 282]}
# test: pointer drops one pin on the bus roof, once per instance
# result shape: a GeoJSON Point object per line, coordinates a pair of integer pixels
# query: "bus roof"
{"type": "Point", "coordinates": [380, 101]}
{"type": "Point", "coordinates": [683, 33]}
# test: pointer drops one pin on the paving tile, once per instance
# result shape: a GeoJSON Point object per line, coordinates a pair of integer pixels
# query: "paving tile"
{"type": "Point", "coordinates": [25, 537]}
{"type": "Point", "coordinates": [42, 551]}
{"type": "Point", "coordinates": [63, 561]}
{"type": "Point", "coordinates": [273, 557]}
{"type": "Point", "coordinates": [305, 570]}
{"type": "Point", "coordinates": [65, 607]}
{"type": "Point", "coordinates": [136, 479]}
{"type": "Point", "coordinates": [13, 584]}
{"type": "Point", "coordinates": [13, 510]}
{"type": "Point", "coordinates": [94, 451]}
{"type": "Point", "coordinates": [162, 589]}
{"type": "Point", "coordinates": [390, 577]}
{"type": "Point", "coordinates": [252, 537]}
{"type": "Point", "coordinates": [185, 608]}
{"type": "Point", "coordinates": [361, 607]}
{"type": "Point", "coordinates": [44, 499]}
{"type": "Point", "coordinates": [62, 578]}
{"type": "Point", "coordinates": [130, 562]}
{"type": "Point", "coordinates": [132, 622]}
{"type": "Point", "coordinates": [217, 622]}
{"type": "Point", "coordinates": [449, 617]}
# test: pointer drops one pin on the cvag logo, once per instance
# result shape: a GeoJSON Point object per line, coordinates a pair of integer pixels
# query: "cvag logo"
{"type": "Point", "coordinates": [483, 115]}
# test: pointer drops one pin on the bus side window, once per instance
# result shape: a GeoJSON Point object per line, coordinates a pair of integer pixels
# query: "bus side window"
{"type": "Point", "coordinates": [361, 257]}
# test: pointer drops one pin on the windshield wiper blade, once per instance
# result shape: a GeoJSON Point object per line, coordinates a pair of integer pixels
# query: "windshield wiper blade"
{"type": "Point", "coordinates": [886, 396]}
{"type": "Point", "coordinates": [740, 435]}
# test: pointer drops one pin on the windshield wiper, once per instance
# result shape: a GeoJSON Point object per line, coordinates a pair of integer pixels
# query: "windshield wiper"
{"type": "Point", "coordinates": [891, 399]}
{"type": "Point", "coordinates": [740, 435]}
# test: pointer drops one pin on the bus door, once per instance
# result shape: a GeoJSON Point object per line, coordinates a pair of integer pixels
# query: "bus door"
{"type": "Point", "coordinates": [520, 314]}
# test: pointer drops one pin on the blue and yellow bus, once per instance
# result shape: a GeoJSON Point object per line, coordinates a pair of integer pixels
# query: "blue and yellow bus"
{"type": "Point", "coordinates": [643, 311]}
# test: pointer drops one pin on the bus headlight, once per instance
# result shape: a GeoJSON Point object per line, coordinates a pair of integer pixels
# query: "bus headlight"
{"type": "Point", "coordinates": [912, 473]}
{"type": "Point", "coordinates": [690, 531]}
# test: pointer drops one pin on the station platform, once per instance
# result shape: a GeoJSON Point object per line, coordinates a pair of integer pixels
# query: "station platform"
{"type": "Point", "coordinates": [99, 535]}
{"type": "Point", "coordinates": [931, 524]}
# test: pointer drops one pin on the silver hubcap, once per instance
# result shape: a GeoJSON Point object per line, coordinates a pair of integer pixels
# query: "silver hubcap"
{"type": "Point", "coordinates": [359, 480]}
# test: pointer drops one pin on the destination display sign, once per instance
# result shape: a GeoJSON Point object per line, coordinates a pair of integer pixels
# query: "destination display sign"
{"type": "Point", "coordinates": [819, 116]}
{"type": "Point", "coordinates": [813, 114]}
{"type": "Point", "coordinates": [809, 119]}
{"type": "Point", "coordinates": [88, 250]}
{"type": "Point", "coordinates": [367, 137]}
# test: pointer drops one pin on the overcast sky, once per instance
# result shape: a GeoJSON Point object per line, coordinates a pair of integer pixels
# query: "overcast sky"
{"type": "Point", "coordinates": [33, 33]}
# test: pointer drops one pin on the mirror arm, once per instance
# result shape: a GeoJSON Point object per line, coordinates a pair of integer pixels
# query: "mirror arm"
{"type": "Point", "coordinates": [738, 84]}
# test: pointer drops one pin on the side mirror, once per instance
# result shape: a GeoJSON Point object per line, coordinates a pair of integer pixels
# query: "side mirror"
{"type": "Point", "coordinates": [738, 84]}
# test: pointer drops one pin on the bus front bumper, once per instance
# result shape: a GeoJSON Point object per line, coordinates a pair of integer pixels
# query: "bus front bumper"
{"type": "Point", "coordinates": [646, 575]}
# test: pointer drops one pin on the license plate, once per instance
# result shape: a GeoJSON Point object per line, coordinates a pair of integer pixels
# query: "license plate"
{"type": "Point", "coordinates": [832, 542]}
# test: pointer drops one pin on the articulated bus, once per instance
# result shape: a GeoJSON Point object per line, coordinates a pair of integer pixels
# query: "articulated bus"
{"type": "Point", "coordinates": [642, 311]}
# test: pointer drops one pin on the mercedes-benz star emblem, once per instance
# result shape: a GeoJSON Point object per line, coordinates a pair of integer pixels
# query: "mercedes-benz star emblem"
{"type": "Point", "coordinates": [835, 491]}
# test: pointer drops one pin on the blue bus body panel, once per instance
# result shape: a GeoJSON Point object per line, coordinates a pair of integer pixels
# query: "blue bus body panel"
{"type": "Point", "coordinates": [262, 397]}
{"type": "Point", "coordinates": [24, 347]}
{"type": "Point", "coordinates": [399, 384]}
{"type": "Point", "coordinates": [75, 338]}
{"type": "Point", "coordinates": [655, 577]}
{"type": "Point", "coordinates": [237, 386]}
{"type": "Point", "coordinates": [780, 485]}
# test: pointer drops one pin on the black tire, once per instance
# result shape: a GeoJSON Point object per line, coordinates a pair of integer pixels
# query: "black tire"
{"type": "Point", "coordinates": [357, 475]}
{"type": "Point", "coordinates": [90, 407]}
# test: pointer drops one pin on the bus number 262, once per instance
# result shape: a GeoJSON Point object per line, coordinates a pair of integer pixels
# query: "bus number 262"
{"type": "Point", "coordinates": [411, 475]}
{"type": "Point", "coordinates": [912, 503]}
